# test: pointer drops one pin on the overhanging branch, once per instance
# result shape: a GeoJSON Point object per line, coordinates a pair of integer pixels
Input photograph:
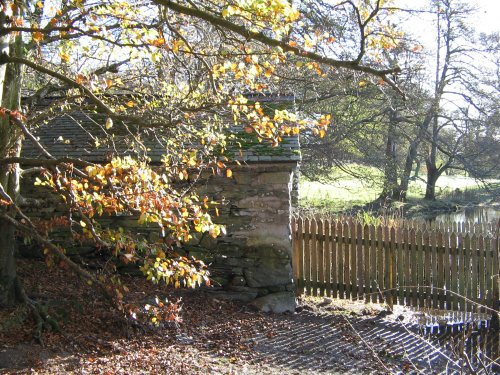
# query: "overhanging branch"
{"type": "Point", "coordinates": [266, 40]}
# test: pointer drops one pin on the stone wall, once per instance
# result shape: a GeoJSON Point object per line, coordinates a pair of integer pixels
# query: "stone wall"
{"type": "Point", "coordinates": [253, 260]}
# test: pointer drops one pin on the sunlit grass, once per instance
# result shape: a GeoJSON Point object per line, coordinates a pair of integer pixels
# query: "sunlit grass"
{"type": "Point", "coordinates": [342, 192]}
{"type": "Point", "coordinates": [338, 196]}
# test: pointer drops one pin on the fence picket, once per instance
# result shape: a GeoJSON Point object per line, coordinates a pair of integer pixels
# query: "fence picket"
{"type": "Point", "coordinates": [320, 259]}
{"type": "Point", "coordinates": [467, 272]}
{"type": "Point", "coordinates": [360, 262]}
{"type": "Point", "coordinates": [328, 257]}
{"type": "Point", "coordinates": [434, 269]}
{"type": "Point", "coordinates": [314, 257]}
{"type": "Point", "coordinates": [426, 281]}
{"type": "Point", "coordinates": [392, 268]}
{"type": "Point", "coordinates": [495, 275]}
{"type": "Point", "coordinates": [454, 251]}
{"type": "Point", "coordinates": [307, 256]}
{"type": "Point", "coordinates": [388, 266]}
{"type": "Point", "coordinates": [406, 267]}
{"type": "Point", "coordinates": [296, 248]}
{"type": "Point", "coordinates": [410, 263]}
{"type": "Point", "coordinates": [414, 268]}
{"type": "Point", "coordinates": [474, 279]}
{"type": "Point", "coordinates": [353, 253]}
{"type": "Point", "coordinates": [340, 259]}
{"type": "Point", "coordinates": [441, 271]}
{"type": "Point", "coordinates": [300, 272]}
{"type": "Point", "coordinates": [366, 254]}
{"type": "Point", "coordinates": [488, 269]}
{"type": "Point", "coordinates": [373, 264]}
{"type": "Point", "coordinates": [447, 270]}
{"type": "Point", "coordinates": [380, 264]}
{"type": "Point", "coordinates": [347, 263]}
{"type": "Point", "coordinates": [335, 260]}
{"type": "Point", "coordinates": [462, 276]}
{"type": "Point", "coordinates": [481, 281]}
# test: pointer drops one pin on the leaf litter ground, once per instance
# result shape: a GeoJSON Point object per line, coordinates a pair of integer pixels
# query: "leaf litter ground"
{"type": "Point", "coordinates": [215, 336]}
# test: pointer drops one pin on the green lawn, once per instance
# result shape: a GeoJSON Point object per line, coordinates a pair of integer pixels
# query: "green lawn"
{"type": "Point", "coordinates": [344, 192]}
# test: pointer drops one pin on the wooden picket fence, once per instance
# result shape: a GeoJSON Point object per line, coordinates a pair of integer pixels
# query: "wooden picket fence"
{"type": "Point", "coordinates": [396, 264]}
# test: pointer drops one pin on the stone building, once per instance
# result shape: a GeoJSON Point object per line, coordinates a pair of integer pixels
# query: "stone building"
{"type": "Point", "coordinates": [252, 262]}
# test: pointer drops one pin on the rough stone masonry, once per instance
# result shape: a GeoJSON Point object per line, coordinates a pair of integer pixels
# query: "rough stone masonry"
{"type": "Point", "coordinates": [253, 261]}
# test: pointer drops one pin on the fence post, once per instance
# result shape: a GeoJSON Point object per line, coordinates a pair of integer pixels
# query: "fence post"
{"type": "Point", "coordinates": [296, 256]}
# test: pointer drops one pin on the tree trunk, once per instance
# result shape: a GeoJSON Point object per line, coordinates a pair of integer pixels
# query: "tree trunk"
{"type": "Point", "coordinates": [411, 156]}
{"type": "Point", "coordinates": [8, 274]}
{"type": "Point", "coordinates": [9, 179]}
{"type": "Point", "coordinates": [390, 168]}
{"type": "Point", "coordinates": [433, 174]}
{"type": "Point", "coordinates": [400, 192]}
{"type": "Point", "coordinates": [433, 171]}
{"type": "Point", "coordinates": [10, 145]}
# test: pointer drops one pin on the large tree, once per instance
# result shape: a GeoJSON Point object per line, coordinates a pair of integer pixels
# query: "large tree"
{"type": "Point", "coordinates": [442, 123]}
{"type": "Point", "coordinates": [159, 68]}
{"type": "Point", "coordinates": [455, 102]}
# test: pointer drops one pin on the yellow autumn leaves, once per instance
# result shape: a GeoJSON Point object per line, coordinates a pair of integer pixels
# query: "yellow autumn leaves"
{"type": "Point", "coordinates": [277, 14]}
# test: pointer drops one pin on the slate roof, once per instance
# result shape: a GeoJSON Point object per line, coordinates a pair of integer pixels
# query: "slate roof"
{"type": "Point", "coordinates": [75, 135]}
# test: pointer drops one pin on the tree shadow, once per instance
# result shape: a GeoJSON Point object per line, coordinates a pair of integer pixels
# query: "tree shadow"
{"type": "Point", "coordinates": [310, 342]}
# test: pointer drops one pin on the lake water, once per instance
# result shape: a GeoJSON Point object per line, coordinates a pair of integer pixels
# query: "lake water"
{"type": "Point", "coordinates": [477, 214]}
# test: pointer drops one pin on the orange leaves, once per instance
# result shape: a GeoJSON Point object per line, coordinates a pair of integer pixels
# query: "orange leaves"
{"type": "Point", "coordinates": [314, 66]}
{"type": "Point", "coordinates": [176, 271]}
{"type": "Point", "coordinates": [37, 36]}
{"type": "Point", "coordinates": [4, 202]}
{"type": "Point", "coordinates": [127, 185]}
{"type": "Point", "coordinates": [160, 311]}
{"type": "Point", "coordinates": [291, 130]}
{"type": "Point", "coordinates": [17, 21]}
{"type": "Point", "coordinates": [417, 48]}
{"type": "Point", "coordinates": [319, 132]}
{"type": "Point", "coordinates": [80, 79]}
{"type": "Point", "coordinates": [18, 115]}
{"type": "Point", "coordinates": [324, 120]}
{"type": "Point", "coordinates": [158, 42]}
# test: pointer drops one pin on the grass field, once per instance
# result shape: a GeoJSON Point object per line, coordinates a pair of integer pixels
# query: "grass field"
{"type": "Point", "coordinates": [344, 193]}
